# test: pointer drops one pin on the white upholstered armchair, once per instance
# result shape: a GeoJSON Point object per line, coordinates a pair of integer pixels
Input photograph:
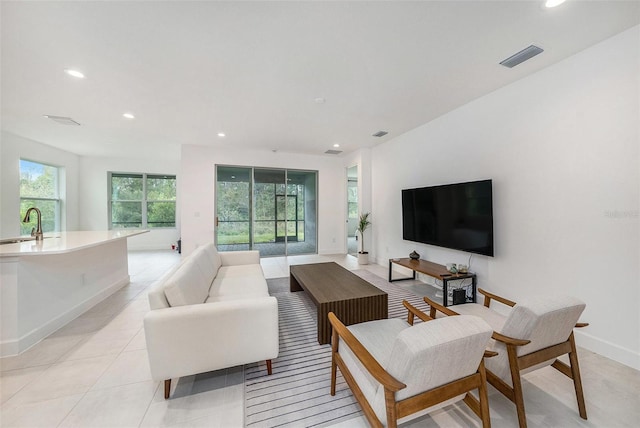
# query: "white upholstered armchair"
{"type": "Point", "coordinates": [399, 371]}
{"type": "Point", "coordinates": [533, 334]}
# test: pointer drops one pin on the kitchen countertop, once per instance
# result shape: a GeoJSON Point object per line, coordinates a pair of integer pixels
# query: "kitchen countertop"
{"type": "Point", "coordinates": [66, 242]}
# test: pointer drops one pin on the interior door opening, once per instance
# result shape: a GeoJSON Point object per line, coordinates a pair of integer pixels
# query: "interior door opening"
{"type": "Point", "coordinates": [352, 210]}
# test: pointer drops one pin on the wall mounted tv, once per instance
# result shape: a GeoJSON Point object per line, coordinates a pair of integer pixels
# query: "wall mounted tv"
{"type": "Point", "coordinates": [457, 216]}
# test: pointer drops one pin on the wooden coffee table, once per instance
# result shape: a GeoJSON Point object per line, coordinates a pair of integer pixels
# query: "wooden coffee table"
{"type": "Point", "coordinates": [333, 288]}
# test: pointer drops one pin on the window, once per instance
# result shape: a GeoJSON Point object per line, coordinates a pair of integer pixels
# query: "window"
{"type": "Point", "coordinates": [39, 188]}
{"type": "Point", "coordinates": [142, 200]}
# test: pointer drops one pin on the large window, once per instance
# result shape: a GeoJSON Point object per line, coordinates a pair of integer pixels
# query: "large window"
{"type": "Point", "coordinates": [142, 200]}
{"type": "Point", "coordinates": [268, 209]}
{"type": "Point", "coordinates": [39, 188]}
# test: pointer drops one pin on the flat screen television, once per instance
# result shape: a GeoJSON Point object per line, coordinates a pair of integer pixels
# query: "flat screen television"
{"type": "Point", "coordinates": [457, 216]}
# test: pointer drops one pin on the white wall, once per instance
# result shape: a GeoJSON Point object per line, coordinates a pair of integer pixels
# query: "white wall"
{"type": "Point", "coordinates": [196, 187]}
{"type": "Point", "coordinates": [12, 149]}
{"type": "Point", "coordinates": [562, 148]}
{"type": "Point", "coordinates": [94, 197]}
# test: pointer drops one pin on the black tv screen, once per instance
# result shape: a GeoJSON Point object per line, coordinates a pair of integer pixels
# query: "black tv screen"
{"type": "Point", "coordinates": [457, 216]}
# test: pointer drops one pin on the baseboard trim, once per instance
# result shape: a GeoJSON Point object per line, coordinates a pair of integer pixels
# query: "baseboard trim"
{"type": "Point", "coordinates": [14, 347]}
{"type": "Point", "coordinates": [625, 356]}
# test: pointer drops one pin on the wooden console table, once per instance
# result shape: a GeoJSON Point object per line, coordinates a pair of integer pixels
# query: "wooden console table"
{"type": "Point", "coordinates": [434, 270]}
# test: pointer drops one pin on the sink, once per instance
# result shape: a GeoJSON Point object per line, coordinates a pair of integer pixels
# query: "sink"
{"type": "Point", "coordinates": [21, 239]}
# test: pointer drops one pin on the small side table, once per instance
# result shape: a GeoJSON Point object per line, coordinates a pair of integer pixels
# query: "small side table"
{"type": "Point", "coordinates": [434, 270]}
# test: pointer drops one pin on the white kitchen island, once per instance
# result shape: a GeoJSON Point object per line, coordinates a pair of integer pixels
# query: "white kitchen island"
{"type": "Point", "coordinates": [44, 285]}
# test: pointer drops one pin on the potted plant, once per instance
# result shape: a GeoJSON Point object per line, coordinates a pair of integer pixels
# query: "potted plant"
{"type": "Point", "coordinates": [363, 224]}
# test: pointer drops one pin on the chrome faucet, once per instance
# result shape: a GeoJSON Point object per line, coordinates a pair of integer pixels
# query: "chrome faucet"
{"type": "Point", "coordinates": [37, 233]}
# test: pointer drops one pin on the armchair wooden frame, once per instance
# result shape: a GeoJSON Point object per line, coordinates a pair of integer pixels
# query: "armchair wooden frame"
{"type": "Point", "coordinates": [519, 363]}
{"type": "Point", "coordinates": [399, 409]}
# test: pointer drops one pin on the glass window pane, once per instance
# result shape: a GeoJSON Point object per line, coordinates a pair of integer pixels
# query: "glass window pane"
{"type": "Point", "coordinates": [38, 180]}
{"type": "Point", "coordinates": [126, 214]}
{"type": "Point", "coordinates": [265, 202]}
{"type": "Point", "coordinates": [161, 188]}
{"type": "Point", "coordinates": [280, 208]}
{"type": "Point", "coordinates": [233, 232]}
{"type": "Point", "coordinates": [161, 214]}
{"type": "Point", "coordinates": [50, 212]}
{"type": "Point", "coordinates": [236, 201]}
{"type": "Point", "coordinates": [126, 187]}
{"type": "Point", "coordinates": [291, 208]}
{"type": "Point", "coordinates": [264, 231]}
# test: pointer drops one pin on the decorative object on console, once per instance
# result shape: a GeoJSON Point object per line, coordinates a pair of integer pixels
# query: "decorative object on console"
{"type": "Point", "coordinates": [463, 268]}
{"type": "Point", "coordinates": [363, 224]}
{"type": "Point", "coordinates": [451, 267]}
{"type": "Point", "coordinates": [414, 255]}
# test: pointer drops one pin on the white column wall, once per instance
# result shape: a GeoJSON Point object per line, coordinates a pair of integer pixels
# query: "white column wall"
{"type": "Point", "coordinates": [12, 149]}
{"type": "Point", "coordinates": [197, 190]}
{"type": "Point", "coordinates": [562, 148]}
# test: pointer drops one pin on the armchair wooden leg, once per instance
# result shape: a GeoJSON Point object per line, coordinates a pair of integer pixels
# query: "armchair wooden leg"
{"type": "Point", "coordinates": [334, 368]}
{"type": "Point", "coordinates": [577, 380]}
{"type": "Point", "coordinates": [167, 388]}
{"type": "Point", "coordinates": [516, 382]}
{"type": "Point", "coordinates": [484, 397]}
{"type": "Point", "coordinates": [390, 404]}
{"type": "Point", "coordinates": [269, 368]}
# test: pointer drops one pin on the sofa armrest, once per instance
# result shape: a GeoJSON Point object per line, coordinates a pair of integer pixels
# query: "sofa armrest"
{"type": "Point", "coordinates": [234, 258]}
{"type": "Point", "coordinates": [186, 340]}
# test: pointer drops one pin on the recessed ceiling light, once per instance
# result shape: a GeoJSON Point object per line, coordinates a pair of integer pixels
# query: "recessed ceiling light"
{"type": "Point", "coordinates": [221, 134]}
{"type": "Point", "coordinates": [319, 100]}
{"type": "Point", "coordinates": [554, 3]}
{"type": "Point", "coordinates": [128, 116]}
{"type": "Point", "coordinates": [74, 73]}
{"type": "Point", "coordinates": [336, 145]}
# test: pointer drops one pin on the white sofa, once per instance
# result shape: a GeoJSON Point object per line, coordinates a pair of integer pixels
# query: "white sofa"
{"type": "Point", "coordinates": [211, 312]}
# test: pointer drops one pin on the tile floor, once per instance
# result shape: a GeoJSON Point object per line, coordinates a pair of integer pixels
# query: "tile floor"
{"type": "Point", "coordinates": [94, 373]}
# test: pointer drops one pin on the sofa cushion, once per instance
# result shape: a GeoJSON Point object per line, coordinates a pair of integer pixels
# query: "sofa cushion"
{"type": "Point", "coordinates": [188, 285]}
{"type": "Point", "coordinates": [206, 260]}
{"type": "Point", "coordinates": [238, 282]}
{"type": "Point", "coordinates": [214, 257]}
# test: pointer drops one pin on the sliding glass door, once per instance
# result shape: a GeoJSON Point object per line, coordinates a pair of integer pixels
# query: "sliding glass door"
{"type": "Point", "coordinates": [267, 209]}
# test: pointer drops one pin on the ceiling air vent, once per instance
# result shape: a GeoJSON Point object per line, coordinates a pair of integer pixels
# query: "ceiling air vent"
{"type": "Point", "coordinates": [333, 152]}
{"type": "Point", "coordinates": [522, 56]}
{"type": "Point", "coordinates": [380, 134]}
{"type": "Point", "coordinates": [63, 120]}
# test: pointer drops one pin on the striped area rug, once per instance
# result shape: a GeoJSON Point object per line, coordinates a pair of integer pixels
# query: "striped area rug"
{"type": "Point", "coordinates": [297, 393]}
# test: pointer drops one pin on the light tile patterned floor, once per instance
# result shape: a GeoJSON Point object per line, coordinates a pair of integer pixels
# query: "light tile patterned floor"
{"type": "Point", "coordinates": [94, 372]}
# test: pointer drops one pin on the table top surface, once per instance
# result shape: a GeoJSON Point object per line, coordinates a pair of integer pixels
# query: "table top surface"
{"type": "Point", "coordinates": [330, 282]}
{"type": "Point", "coordinates": [432, 269]}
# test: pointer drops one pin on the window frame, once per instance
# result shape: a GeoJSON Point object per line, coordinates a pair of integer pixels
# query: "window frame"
{"type": "Point", "coordinates": [57, 199]}
{"type": "Point", "coordinates": [144, 201]}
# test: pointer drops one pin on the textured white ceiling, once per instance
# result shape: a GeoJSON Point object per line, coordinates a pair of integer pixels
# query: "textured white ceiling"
{"type": "Point", "coordinates": [188, 70]}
